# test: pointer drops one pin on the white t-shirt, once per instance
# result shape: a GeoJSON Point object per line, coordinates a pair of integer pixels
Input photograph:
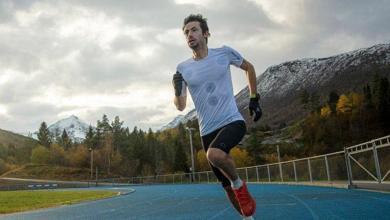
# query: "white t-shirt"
{"type": "Point", "coordinates": [210, 85]}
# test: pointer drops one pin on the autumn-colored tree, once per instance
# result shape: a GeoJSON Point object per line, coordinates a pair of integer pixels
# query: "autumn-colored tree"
{"type": "Point", "coordinates": [57, 154]}
{"type": "Point", "coordinates": [356, 102]}
{"type": "Point", "coordinates": [344, 105]}
{"type": "Point", "coordinates": [40, 155]}
{"type": "Point", "coordinates": [203, 164]}
{"type": "Point", "coordinates": [241, 157]}
{"type": "Point", "coordinates": [325, 111]}
{"type": "Point", "coordinates": [78, 156]}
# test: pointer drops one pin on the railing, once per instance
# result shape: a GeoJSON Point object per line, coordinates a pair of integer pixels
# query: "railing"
{"type": "Point", "coordinates": [369, 161]}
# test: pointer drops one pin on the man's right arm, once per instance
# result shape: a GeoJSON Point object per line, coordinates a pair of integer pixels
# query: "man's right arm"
{"type": "Point", "coordinates": [180, 87]}
{"type": "Point", "coordinates": [180, 102]}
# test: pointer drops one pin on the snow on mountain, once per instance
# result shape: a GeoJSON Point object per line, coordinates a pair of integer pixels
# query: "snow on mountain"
{"type": "Point", "coordinates": [180, 119]}
{"type": "Point", "coordinates": [280, 84]}
{"type": "Point", "coordinates": [75, 128]}
{"type": "Point", "coordinates": [175, 122]}
{"type": "Point", "coordinates": [294, 75]}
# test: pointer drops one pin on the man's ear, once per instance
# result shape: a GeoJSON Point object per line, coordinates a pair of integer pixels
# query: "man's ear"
{"type": "Point", "coordinates": [206, 34]}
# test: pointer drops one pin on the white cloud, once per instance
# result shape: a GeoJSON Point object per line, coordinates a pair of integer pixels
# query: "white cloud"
{"type": "Point", "coordinates": [280, 11]}
{"type": "Point", "coordinates": [3, 110]}
{"type": "Point", "coordinates": [172, 37]}
{"type": "Point", "coordinates": [203, 3]}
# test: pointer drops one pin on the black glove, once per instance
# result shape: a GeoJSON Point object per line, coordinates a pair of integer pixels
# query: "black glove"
{"type": "Point", "coordinates": [178, 83]}
{"type": "Point", "coordinates": [254, 107]}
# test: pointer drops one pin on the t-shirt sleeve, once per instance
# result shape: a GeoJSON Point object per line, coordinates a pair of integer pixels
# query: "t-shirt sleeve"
{"type": "Point", "coordinates": [234, 57]}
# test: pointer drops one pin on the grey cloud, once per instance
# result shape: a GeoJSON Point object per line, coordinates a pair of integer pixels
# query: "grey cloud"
{"type": "Point", "coordinates": [27, 116]}
{"type": "Point", "coordinates": [96, 70]}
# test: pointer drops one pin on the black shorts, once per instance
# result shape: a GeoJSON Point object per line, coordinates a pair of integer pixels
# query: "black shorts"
{"type": "Point", "coordinates": [224, 138]}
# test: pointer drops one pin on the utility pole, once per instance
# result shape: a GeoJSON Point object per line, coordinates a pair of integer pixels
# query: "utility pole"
{"type": "Point", "coordinates": [192, 153]}
{"type": "Point", "coordinates": [280, 165]}
{"type": "Point", "coordinates": [91, 150]}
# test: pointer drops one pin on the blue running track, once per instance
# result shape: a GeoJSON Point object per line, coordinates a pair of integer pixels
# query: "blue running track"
{"type": "Point", "coordinates": [208, 201]}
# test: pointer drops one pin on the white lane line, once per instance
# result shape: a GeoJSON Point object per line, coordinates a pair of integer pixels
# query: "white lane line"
{"type": "Point", "coordinates": [313, 214]}
{"type": "Point", "coordinates": [219, 213]}
{"type": "Point", "coordinates": [153, 212]}
{"type": "Point", "coordinates": [380, 199]}
{"type": "Point", "coordinates": [277, 204]}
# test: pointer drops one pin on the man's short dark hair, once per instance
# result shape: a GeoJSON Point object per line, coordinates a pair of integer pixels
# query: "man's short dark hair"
{"type": "Point", "coordinates": [202, 21]}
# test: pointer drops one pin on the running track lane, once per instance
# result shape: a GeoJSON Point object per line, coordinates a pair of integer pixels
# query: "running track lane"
{"type": "Point", "coordinates": [208, 201]}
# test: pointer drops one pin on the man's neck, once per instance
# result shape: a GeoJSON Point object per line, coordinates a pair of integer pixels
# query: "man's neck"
{"type": "Point", "coordinates": [200, 52]}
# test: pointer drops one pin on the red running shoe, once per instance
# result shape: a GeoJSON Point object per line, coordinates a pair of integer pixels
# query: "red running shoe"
{"type": "Point", "coordinates": [247, 203]}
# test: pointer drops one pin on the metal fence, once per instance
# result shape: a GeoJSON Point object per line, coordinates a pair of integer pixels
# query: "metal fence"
{"type": "Point", "coordinates": [367, 162]}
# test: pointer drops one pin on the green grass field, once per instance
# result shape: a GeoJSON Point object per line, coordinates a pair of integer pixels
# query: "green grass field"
{"type": "Point", "coordinates": [16, 201]}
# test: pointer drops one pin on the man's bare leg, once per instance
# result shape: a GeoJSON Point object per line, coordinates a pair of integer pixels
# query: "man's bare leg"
{"type": "Point", "coordinates": [223, 162]}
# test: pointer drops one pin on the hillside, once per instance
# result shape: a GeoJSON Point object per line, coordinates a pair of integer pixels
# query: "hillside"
{"type": "Point", "coordinates": [49, 172]}
{"type": "Point", "coordinates": [52, 172]}
{"type": "Point", "coordinates": [8, 138]}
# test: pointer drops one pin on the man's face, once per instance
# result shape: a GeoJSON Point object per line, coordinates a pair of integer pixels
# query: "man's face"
{"type": "Point", "coordinates": [194, 35]}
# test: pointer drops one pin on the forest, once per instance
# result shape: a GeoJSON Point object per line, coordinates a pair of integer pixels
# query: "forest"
{"type": "Point", "coordinates": [330, 125]}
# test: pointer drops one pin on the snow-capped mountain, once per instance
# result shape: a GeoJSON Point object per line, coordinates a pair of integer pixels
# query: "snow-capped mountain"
{"type": "Point", "coordinates": [180, 119]}
{"type": "Point", "coordinates": [280, 85]}
{"type": "Point", "coordinates": [175, 122]}
{"type": "Point", "coordinates": [75, 128]}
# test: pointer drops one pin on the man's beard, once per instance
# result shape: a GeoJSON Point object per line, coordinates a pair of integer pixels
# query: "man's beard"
{"type": "Point", "coordinates": [194, 46]}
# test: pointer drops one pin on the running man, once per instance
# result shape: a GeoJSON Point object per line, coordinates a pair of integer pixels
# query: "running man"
{"type": "Point", "coordinates": [208, 78]}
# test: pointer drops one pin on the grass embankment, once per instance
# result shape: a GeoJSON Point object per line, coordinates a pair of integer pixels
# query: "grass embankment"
{"type": "Point", "coordinates": [16, 201]}
{"type": "Point", "coordinates": [52, 172]}
{"type": "Point", "coordinates": [31, 171]}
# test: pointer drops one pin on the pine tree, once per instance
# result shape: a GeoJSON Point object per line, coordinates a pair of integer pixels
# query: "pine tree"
{"type": "Point", "coordinates": [332, 100]}
{"type": "Point", "coordinates": [89, 138]}
{"type": "Point", "coordinates": [66, 142]}
{"type": "Point", "coordinates": [314, 102]}
{"type": "Point", "coordinates": [180, 163]}
{"type": "Point", "coordinates": [118, 133]}
{"type": "Point", "coordinates": [304, 98]}
{"type": "Point", "coordinates": [44, 136]}
{"type": "Point", "coordinates": [384, 103]}
{"type": "Point", "coordinates": [368, 105]}
{"type": "Point", "coordinates": [104, 125]}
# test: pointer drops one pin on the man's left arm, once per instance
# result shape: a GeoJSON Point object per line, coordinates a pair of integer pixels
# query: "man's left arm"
{"type": "Point", "coordinates": [254, 105]}
{"type": "Point", "coordinates": [251, 77]}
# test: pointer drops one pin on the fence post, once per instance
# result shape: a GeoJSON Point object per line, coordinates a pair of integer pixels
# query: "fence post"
{"type": "Point", "coordinates": [269, 175]}
{"type": "Point", "coordinates": [257, 174]}
{"type": "Point", "coordinates": [308, 163]}
{"type": "Point", "coordinates": [208, 179]}
{"type": "Point", "coordinates": [377, 166]}
{"type": "Point", "coordinates": [246, 174]}
{"type": "Point", "coordinates": [327, 168]}
{"type": "Point", "coordinates": [281, 171]}
{"type": "Point", "coordinates": [295, 172]}
{"type": "Point", "coordinates": [348, 165]}
{"type": "Point", "coordinates": [96, 176]}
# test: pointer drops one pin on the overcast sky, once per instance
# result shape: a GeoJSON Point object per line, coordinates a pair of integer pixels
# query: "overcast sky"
{"type": "Point", "coordinates": [94, 57]}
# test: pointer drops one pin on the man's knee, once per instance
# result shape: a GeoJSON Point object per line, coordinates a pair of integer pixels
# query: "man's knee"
{"type": "Point", "coordinates": [215, 156]}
